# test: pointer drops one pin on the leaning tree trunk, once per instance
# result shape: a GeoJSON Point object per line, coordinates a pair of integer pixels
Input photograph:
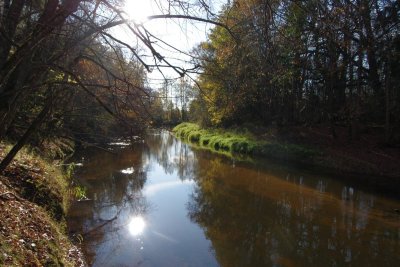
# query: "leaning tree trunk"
{"type": "Point", "coordinates": [28, 133]}
{"type": "Point", "coordinates": [387, 106]}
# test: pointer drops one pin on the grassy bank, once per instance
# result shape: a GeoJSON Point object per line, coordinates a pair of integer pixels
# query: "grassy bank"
{"type": "Point", "coordinates": [234, 142]}
{"type": "Point", "coordinates": [363, 161]}
{"type": "Point", "coordinates": [34, 197]}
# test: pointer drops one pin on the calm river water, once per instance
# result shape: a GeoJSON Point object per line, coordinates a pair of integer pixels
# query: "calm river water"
{"type": "Point", "coordinates": [163, 203]}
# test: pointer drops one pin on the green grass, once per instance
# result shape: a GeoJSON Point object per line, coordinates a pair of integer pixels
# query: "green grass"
{"type": "Point", "coordinates": [235, 142]}
{"type": "Point", "coordinates": [50, 187]}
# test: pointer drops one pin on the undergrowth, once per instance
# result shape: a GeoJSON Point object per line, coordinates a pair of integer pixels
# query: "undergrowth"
{"type": "Point", "coordinates": [45, 182]}
{"type": "Point", "coordinates": [33, 216]}
{"type": "Point", "coordinates": [236, 142]}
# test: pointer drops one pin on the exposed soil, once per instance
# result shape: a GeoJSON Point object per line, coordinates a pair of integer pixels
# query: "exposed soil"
{"type": "Point", "coordinates": [31, 219]}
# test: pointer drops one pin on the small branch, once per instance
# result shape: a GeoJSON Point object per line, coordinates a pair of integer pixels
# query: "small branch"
{"type": "Point", "coordinates": [11, 193]}
{"type": "Point", "coordinates": [100, 226]}
{"type": "Point", "coordinates": [169, 16]}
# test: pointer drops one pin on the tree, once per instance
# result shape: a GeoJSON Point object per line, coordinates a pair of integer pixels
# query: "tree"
{"type": "Point", "coordinates": [45, 44]}
{"type": "Point", "coordinates": [302, 62]}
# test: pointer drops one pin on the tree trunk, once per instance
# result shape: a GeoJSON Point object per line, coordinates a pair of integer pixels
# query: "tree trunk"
{"type": "Point", "coordinates": [387, 107]}
{"type": "Point", "coordinates": [13, 93]}
{"type": "Point", "coordinates": [22, 141]}
{"type": "Point", "coordinates": [8, 25]}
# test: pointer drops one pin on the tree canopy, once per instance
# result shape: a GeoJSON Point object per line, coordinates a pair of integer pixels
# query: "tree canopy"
{"type": "Point", "coordinates": [304, 62]}
{"type": "Point", "coordinates": [64, 68]}
{"type": "Point", "coordinates": [64, 71]}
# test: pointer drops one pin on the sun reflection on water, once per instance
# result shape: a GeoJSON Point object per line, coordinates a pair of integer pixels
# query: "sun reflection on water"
{"type": "Point", "coordinates": [128, 170]}
{"type": "Point", "coordinates": [136, 225]}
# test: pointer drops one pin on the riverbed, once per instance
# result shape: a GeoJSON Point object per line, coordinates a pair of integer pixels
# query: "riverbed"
{"type": "Point", "coordinates": [163, 203]}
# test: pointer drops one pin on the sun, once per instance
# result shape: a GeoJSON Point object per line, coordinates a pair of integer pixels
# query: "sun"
{"type": "Point", "coordinates": [139, 10]}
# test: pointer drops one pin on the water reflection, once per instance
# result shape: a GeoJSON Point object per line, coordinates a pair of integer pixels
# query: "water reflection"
{"type": "Point", "coordinates": [254, 218]}
{"type": "Point", "coordinates": [128, 170]}
{"type": "Point", "coordinates": [144, 181]}
{"type": "Point", "coordinates": [155, 188]}
{"type": "Point", "coordinates": [114, 182]}
{"type": "Point", "coordinates": [136, 225]}
{"type": "Point", "coordinates": [206, 210]}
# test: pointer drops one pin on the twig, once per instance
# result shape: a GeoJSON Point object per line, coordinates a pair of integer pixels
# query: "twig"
{"type": "Point", "coordinates": [2, 195]}
{"type": "Point", "coordinates": [99, 226]}
{"type": "Point", "coordinates": [384, 155]}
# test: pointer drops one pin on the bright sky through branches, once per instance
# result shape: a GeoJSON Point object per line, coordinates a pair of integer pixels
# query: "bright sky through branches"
{"type": "Point", "coordinates": [139, 10]}
{"type": "Point", "coordinates": [180, 35]}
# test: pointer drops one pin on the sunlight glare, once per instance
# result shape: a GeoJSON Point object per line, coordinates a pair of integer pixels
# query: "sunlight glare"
{"type": "Point", "coordinates": [128, 170]}
{"type": "Point", "coordinates": [136, 225]}
{"type": "Point", "coordinates": [138, 10]}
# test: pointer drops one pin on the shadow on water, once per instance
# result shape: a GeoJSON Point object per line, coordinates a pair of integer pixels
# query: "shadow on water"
{"type": "Point", "coordinates": [161, 203]}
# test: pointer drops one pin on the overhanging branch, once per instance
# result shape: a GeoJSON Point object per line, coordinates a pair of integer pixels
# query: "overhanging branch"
{"type": "Point", "coordinates": [188, 17]}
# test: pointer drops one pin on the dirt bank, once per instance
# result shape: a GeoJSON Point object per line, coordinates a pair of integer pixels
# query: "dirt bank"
{"type": "Point", "coordinates": [32, 207]}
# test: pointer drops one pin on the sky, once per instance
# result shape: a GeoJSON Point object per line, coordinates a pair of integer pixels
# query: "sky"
{"type": "Point", "coordinates": [179, 33]}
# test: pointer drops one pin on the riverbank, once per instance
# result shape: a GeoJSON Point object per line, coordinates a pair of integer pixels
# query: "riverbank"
{"type": "Point", "coordinates": [220, 140]}
{"type": "Point", "coordinates": [34, 197]}
{"type": "Point", "coordinates": [365, 160]}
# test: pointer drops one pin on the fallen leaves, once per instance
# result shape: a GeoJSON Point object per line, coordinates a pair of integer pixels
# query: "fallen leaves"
{"type": "Point", "coordinates": [28, 235]}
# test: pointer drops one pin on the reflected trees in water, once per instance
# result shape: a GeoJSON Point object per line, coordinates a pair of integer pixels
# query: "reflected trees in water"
{"type": "Point", "coordinates": [253, 219]}
{"type": "Point", "coordinates": [253, 214]}
{"type": "Point", "coordinates": [172, 154]}
{"type": "Point", "coordinates": [115, 197]}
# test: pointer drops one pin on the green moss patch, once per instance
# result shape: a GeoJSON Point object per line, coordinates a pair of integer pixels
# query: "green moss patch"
{"type": "Point", "coordinates": [234, 142]}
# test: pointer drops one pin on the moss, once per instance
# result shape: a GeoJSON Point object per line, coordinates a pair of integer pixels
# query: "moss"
{"type": "Point", "coordinates": [240, 142]}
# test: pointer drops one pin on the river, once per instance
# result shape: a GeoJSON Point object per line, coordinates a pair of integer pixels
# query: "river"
{"type": "Point", "coordinates": [163, 203]}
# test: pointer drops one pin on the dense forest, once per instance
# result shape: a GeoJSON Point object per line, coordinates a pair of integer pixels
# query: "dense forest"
{"type": "Point", "coordinates": [303, 63]}
{"type": "Point", "coordinates": [66, 77]}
